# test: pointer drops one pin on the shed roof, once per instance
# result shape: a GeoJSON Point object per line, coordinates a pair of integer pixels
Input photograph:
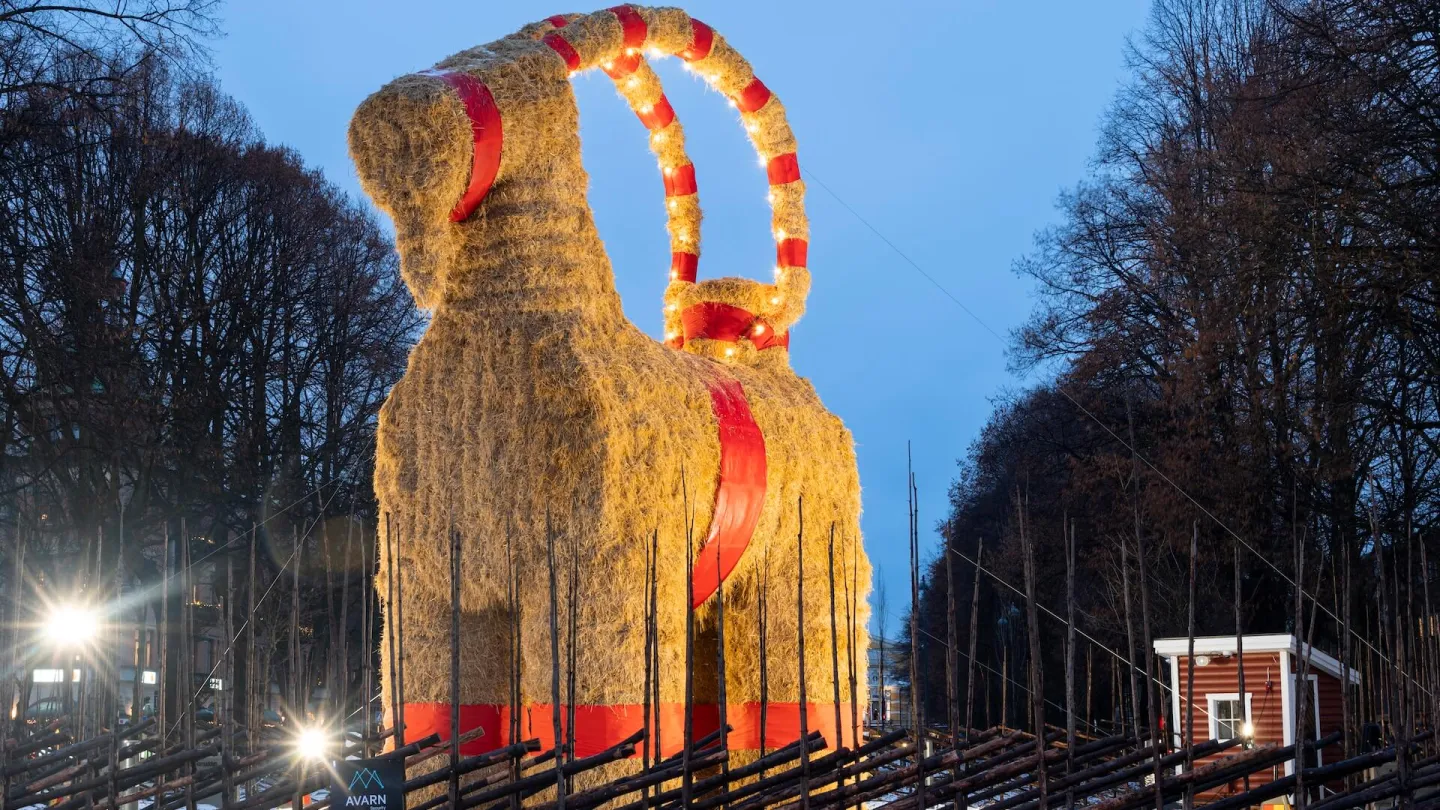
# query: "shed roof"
{"type": "Point", "coordinates": [1273, 642]}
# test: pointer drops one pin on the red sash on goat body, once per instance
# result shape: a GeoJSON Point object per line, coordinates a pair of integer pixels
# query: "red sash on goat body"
{"type": "Point", "coordinates": [740, 493]}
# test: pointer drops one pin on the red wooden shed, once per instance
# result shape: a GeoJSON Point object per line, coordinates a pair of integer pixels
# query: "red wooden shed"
{"type": "Point", "coordinates": [1266, 711]}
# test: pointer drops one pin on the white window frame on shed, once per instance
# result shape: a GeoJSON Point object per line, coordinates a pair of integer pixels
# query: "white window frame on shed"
{"type": "Point", "coordinates": [1211, 698]}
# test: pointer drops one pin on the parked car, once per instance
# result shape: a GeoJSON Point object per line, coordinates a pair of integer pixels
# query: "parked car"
{"type": "Point", "coordinates": [44, 710]}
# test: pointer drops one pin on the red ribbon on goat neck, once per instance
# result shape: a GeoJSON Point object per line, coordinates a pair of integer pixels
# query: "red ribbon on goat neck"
{"type": "Point", "coordinates": [714, 320]}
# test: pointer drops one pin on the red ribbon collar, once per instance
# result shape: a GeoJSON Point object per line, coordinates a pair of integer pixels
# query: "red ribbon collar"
{"type": "Point", "coordinates": [713, 320]}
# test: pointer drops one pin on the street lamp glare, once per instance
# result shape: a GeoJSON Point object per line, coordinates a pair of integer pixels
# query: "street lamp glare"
{"type": "Point", "coordinates": [311, 744]}
{"type": "Point", "coordinates": [69, 624]}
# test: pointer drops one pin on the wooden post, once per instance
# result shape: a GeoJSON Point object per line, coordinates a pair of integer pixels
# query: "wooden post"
{"type": "Point", "coordinates": [455, 663]}
{"type": "Point", "coordinates": [297, 701]}
{"type": "Point", "coordinates": [513, 569]}
{"type": "Point", "coordinates": [554, 666]}
{"type": "Point", "coordinates": [852, 589]}
{"type": "Point", "coordinates": [650, 675]}
{"type": "Point", "coordinates": [952, 648]}
{"type": "Point", "coordinates": [253, 690]}
{"type": "Point", "coordinates": [764, 630]}
{"type": "Point", "coordinates": [1068, 531]}
{"type": "Point", "coordinates": [162, 684]}
{"type": "Point", "coordinates": [655, 612]}
{"type": "Point", "coordinates": [838, 742]}
{"type": "Point", "coordinates": [187, 631]}
{"type": "Point", "coordinates": [226, 721]}
{"type": "Point", "coordinates": [974, 638]}
{"type": "Point", "coordinates": [720, 658]}
{"type": "Point", "coordinates": [392, 628]}
{"type": "Point", "coordinates": [343, 671]}
{"type": "Point", "coordinates": [398, 568]}
{"type": "Point", "coordinates": [367, 626]}
{"type": "Point", "coordinates": [1130, 641]}
{"type": "Point", "coordinates": [1032, 627]}
{"type": "Point", "coordinates": [1240, 652]}
{"type": "Point", "coordinates": [1301, 689]}
{"type": "Point", "coordinates": [1188, 740]}
{"type": "Point", "coordinates": [800, 644]}
{"type": "Point", "coordinates": [688, 740]}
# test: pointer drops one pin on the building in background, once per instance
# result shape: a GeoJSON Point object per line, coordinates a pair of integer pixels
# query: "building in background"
{"type": "Point", "coordinates": [1265, 713]}
{"type": "Point", "coordinates": [889, 687]}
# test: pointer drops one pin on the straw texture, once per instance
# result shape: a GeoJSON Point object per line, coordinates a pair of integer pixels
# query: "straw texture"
{"type": "Point", "coordinates": [530, 394]}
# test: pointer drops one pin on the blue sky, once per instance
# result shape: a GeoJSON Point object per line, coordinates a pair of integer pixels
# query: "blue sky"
{"type": "Point", "coordinates": [950, 127]}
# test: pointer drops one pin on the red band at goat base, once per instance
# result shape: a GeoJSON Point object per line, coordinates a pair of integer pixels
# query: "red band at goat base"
{"type": "Point", "coordinates": [740, 493]}
{"type": "Point", "coordinates": [600, 727]}
{"type": "Point", "coordinates": [487, 136]}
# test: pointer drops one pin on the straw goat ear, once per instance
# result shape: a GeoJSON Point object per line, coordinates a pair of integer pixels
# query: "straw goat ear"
{"type": "Point", "coordinates": [411, 143]}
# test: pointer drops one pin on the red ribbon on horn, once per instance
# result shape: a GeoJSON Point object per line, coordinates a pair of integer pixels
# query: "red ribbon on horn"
{"type": "Point", "coordinates": [487, 134]}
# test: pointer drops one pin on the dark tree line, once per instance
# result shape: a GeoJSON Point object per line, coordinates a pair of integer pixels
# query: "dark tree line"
{"type": "Point", "coordinates": [194, 326]}
{"type": "Point", "coordinates": [1248, 284]}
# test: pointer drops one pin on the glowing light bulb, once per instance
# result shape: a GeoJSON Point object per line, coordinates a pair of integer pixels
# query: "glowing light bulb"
{"type": "Point", "coordinates": [752, 127]}
{"type": "Point", "coordinates": [775, 300]}
{"type": "Point", "coordinates": [729, 352]}
{"type": "Point", "coordinates": [779, 271]}
{"type": "Point", "coordinates": [731, 102]}
{"type": "Point", "coordinates": [671, 335]}
{"type": "Point", "coordinates": [609, 65]}
{"type": "Point", "coordinates": [762, 161]}
{"type": "Point", "coordinates": [571, 74]}
{"type": "Point", "coordinates": [672, 204]}
{"type": "Point", "coordinates": [72, 625]}
{"type": "Point", "coordinates": [671, 307]}
{"type": "Point", "coordinates": [759, 329]}
{"type": "Point", "coordinates": [674, 274]}
{"type": "Point", "coordinates": [658, 137]}
{"type": "Point", "coordinates": [669, 170]}
{"type": "Point", "coordinates": [780, 234]}
{"type": "Point", "coordinates": [654, 53]}
{"type": "Point", "coordinates": [684, 235]}
{"type": "Point", "coordinates": [311, 744]}
{"type": "Point", "coordinates": [1247, 731]}
{"type": "Point", "coordinates": [770, 198]}
{"type": "Point", "coordinates": [630, 51]}
{"type": "Point", "coordinates": [632, 82]}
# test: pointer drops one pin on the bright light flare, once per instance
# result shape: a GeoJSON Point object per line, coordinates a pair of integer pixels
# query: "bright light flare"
{"type": "Point", "coordinates": [313, 744]}
{"type": "Point", "coordinates": [69, 625]}
{"type": "Point", "coordinates": [1247, 731]}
